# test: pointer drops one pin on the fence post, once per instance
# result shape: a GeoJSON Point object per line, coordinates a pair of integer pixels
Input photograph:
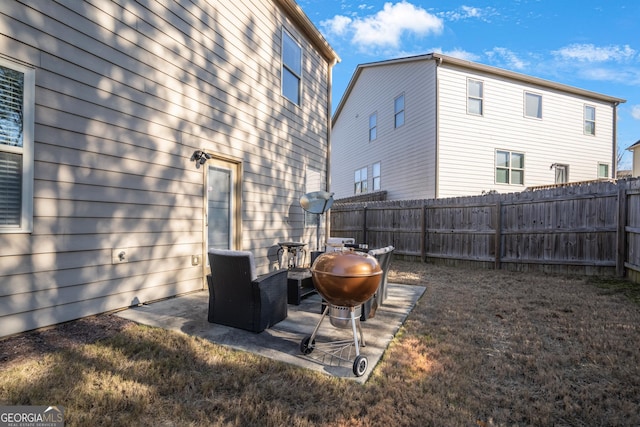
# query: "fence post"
{"type": "Point", "coordinates": [498, 235]}
{"type": "Point", "coordinates": [364, 225]}
{"type": "Point", "coordinates": [621, 233]}
{"type": "Point", "coordinates": [423, 234]}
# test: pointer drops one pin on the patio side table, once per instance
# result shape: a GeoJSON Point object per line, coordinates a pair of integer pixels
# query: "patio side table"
{"type": "Point", "coordinates": [299, 285]}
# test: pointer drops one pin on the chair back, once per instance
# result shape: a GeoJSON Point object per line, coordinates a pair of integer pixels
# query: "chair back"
{"type": "Point", "coordinates": [242, 260]}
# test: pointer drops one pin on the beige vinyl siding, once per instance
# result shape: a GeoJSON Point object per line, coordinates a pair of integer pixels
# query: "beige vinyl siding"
{"type": "Point", "coordinates": [406, 154]}
{"type": "Point", "coordinates": [125, 93]}
{"type": "Point", "coordinates": [468, 142]}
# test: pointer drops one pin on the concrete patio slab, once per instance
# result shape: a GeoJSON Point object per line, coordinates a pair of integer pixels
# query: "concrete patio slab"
{"type": "Point", "coordinates": [188, 314]}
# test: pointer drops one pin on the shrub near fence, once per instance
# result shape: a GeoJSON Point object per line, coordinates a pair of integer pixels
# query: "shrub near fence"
{"type": "Point", "coordinates": [589, 228]}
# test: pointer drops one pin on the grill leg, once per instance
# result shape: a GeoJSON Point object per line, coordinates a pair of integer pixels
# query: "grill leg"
{"type": "Point", "coordinates": [362, 343]}
{"type": "Point", "coordinates": [315, 331]}
{"type": "Point", "coordinates": [355, 332]}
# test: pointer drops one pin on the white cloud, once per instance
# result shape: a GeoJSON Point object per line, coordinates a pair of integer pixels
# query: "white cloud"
{"type": "Point", "coordinates": [338, 25]}
{"type": "Point", "coordinates": [458, 53]}
{"type": "Point", "coordinates": [469, 12]}
{"type": "Point", "coordinates": [386, 27]}
{"type": "Point", "coordinates": [504, 57]}
{"type": "Point", "coordinates": [592, 53]}
{"type": "Point", "coordinates": [635, 112]}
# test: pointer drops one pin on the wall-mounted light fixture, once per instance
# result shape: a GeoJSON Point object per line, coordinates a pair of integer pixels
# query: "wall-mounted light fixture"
{"type": "Point", "coordinates": [200, 157]}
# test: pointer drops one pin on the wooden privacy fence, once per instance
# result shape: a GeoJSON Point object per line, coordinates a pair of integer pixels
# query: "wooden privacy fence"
{"type": "Point", "coordinates": [589, 228]}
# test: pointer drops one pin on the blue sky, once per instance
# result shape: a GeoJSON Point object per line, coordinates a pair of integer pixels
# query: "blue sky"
{"type": "Point", "coordinates": [590, 44]}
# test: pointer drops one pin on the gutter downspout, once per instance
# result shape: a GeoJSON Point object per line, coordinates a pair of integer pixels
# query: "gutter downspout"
{"type": "Point", "coordinates": [436, 183]}
{"type": "Point", "coordinates": [327, 218]}
{"type": "Point", "coordinates": [614, 172]}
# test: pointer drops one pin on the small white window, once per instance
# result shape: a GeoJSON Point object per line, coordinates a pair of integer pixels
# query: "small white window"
{"type": "Point", "coordinates": [532, 105]}
{"type": "Point", "coordinates": [291, 68]}
{"type": "Point", "coordinates": [398, 108]}
{"type": "Point", "coordinates": [17, 88]}
{"type": "Point", "coordinates": [360, 181]}
{"type": "Point", "coordinates": [475, 97]}
{"type": "Point", "coordinates": [373, 126]}
{"type": "Point", "coordinates": [509, 168]}
{"type": "Point", "coordinates": [562, 173]}
{"type": "Point", "coordinates": [376, 176]}
{"type": "Point", "coordinates": [313, 182]}
{"type": "Point", "coordinates": [589, 120]}
{"type": "Point", "coordinates": [603, 170]}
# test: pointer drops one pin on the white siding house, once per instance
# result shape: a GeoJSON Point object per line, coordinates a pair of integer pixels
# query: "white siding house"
{"type": "Point", "coordinates": [635, 150]}
{"type": "Point", "coordinates": [103, 108]}
{"type": "Point", "coordinates": [464, 129]}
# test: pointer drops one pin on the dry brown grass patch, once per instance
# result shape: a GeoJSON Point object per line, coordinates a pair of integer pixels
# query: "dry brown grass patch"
{"type": "Point", "coordinates": [480, 348]}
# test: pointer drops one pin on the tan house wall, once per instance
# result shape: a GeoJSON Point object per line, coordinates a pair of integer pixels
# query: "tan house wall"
{"type": "Point", "coordinates": [124, 95]}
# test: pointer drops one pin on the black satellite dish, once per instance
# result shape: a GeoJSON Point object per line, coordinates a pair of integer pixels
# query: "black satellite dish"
{"type": "Point", "coordinates": [317, 202]}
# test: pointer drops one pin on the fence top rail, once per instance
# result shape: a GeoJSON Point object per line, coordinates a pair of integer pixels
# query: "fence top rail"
{"type": "Point", "coordinates": [604, 189]}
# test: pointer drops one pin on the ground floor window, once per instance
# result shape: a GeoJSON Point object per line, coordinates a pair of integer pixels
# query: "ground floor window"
{"type": "Point", "coordinates": [376, 176]}
{"type": "Point", "coordinates": [603, 170]}
{"type": "Point", "coordinates": [17, 94]}
{"type": "Point", "coordinates": [509, 167]}
{"type": "Point", "coordinates": [360, 181]}
{"type": "Point", "coordinates": [562, 173]}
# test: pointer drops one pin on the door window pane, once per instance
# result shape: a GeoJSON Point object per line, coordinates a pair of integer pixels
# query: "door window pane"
{"type": "Point", "coordinates": [219, 203]}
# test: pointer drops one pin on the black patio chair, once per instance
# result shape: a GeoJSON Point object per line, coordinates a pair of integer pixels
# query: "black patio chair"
{"type": "Point", "coordinates": [241, 299]}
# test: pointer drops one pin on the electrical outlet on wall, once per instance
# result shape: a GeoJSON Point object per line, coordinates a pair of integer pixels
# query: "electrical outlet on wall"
{"type": "Point", "coordinates": [195, 259]}
{"type": "Point", "coordinates": [119, 255]}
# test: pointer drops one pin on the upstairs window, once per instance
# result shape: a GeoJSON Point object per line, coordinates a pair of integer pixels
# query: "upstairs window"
{"type": "Point", "coordinates": [376, 176]}
{"type": "Point", "coordinates": [509, 168]}
{"type": "Point", "coordinates": [398, 109]}
{"type": "Point", "coordinates": [291, 68]}
{"type": "Point", "coordinates": [589, 120]}
{"type": "Point", "coordinates": [360, 181]}
{"type": "Point", "coordinates": [17, 86]}
{"type": "Point", "coordinates": [373, 127]}
{"type": "Point", "coordinates": [533, 105]}
{"type": "Point", "coordinates": [475, 99]}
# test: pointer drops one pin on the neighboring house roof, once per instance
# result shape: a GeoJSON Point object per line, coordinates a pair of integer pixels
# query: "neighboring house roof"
{"type": "Point", "coordinates": [477, 67]}
{"type": "Point", "coordinates": [634, 146]}
{"type": "Point", "coordinates": [299, 17]}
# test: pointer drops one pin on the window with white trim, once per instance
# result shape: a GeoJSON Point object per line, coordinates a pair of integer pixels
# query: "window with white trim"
{"type": "Point", "coordinates": [589, 120]}
{"type": "Point", "coordinates": [376, 176]}
{"type": "Point", "coordinates": [532, 105]}
{"type": "Point", "coordinates": [313, 182]}
{"type": "Point", "coordinates": [562, 173]}
{"type": "Point", "coordinates": [509, 167]}
{"type": "Point", "coordinates": [373, 126]}
{"type": "Point", "coordinates": [17, 87]}
{"type": "Point", "coordinates": [398, 111]}
{"type": "Point", "coordinates": [291, 68]}
{"type": "Point", "coordinates": [603, 170]}
{"type": "Point", "coordinates": [475, 97]}
{"type": "Point", "coordinates": [360, 181]}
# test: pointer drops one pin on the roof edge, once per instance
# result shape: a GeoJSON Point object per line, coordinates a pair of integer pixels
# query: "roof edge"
{"type": "Point", "coordinates": [310, 30]}
{"type": "Point", "coordinates": [526, 78]}
{"type": "Point", "coordinates": [477, 67]}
